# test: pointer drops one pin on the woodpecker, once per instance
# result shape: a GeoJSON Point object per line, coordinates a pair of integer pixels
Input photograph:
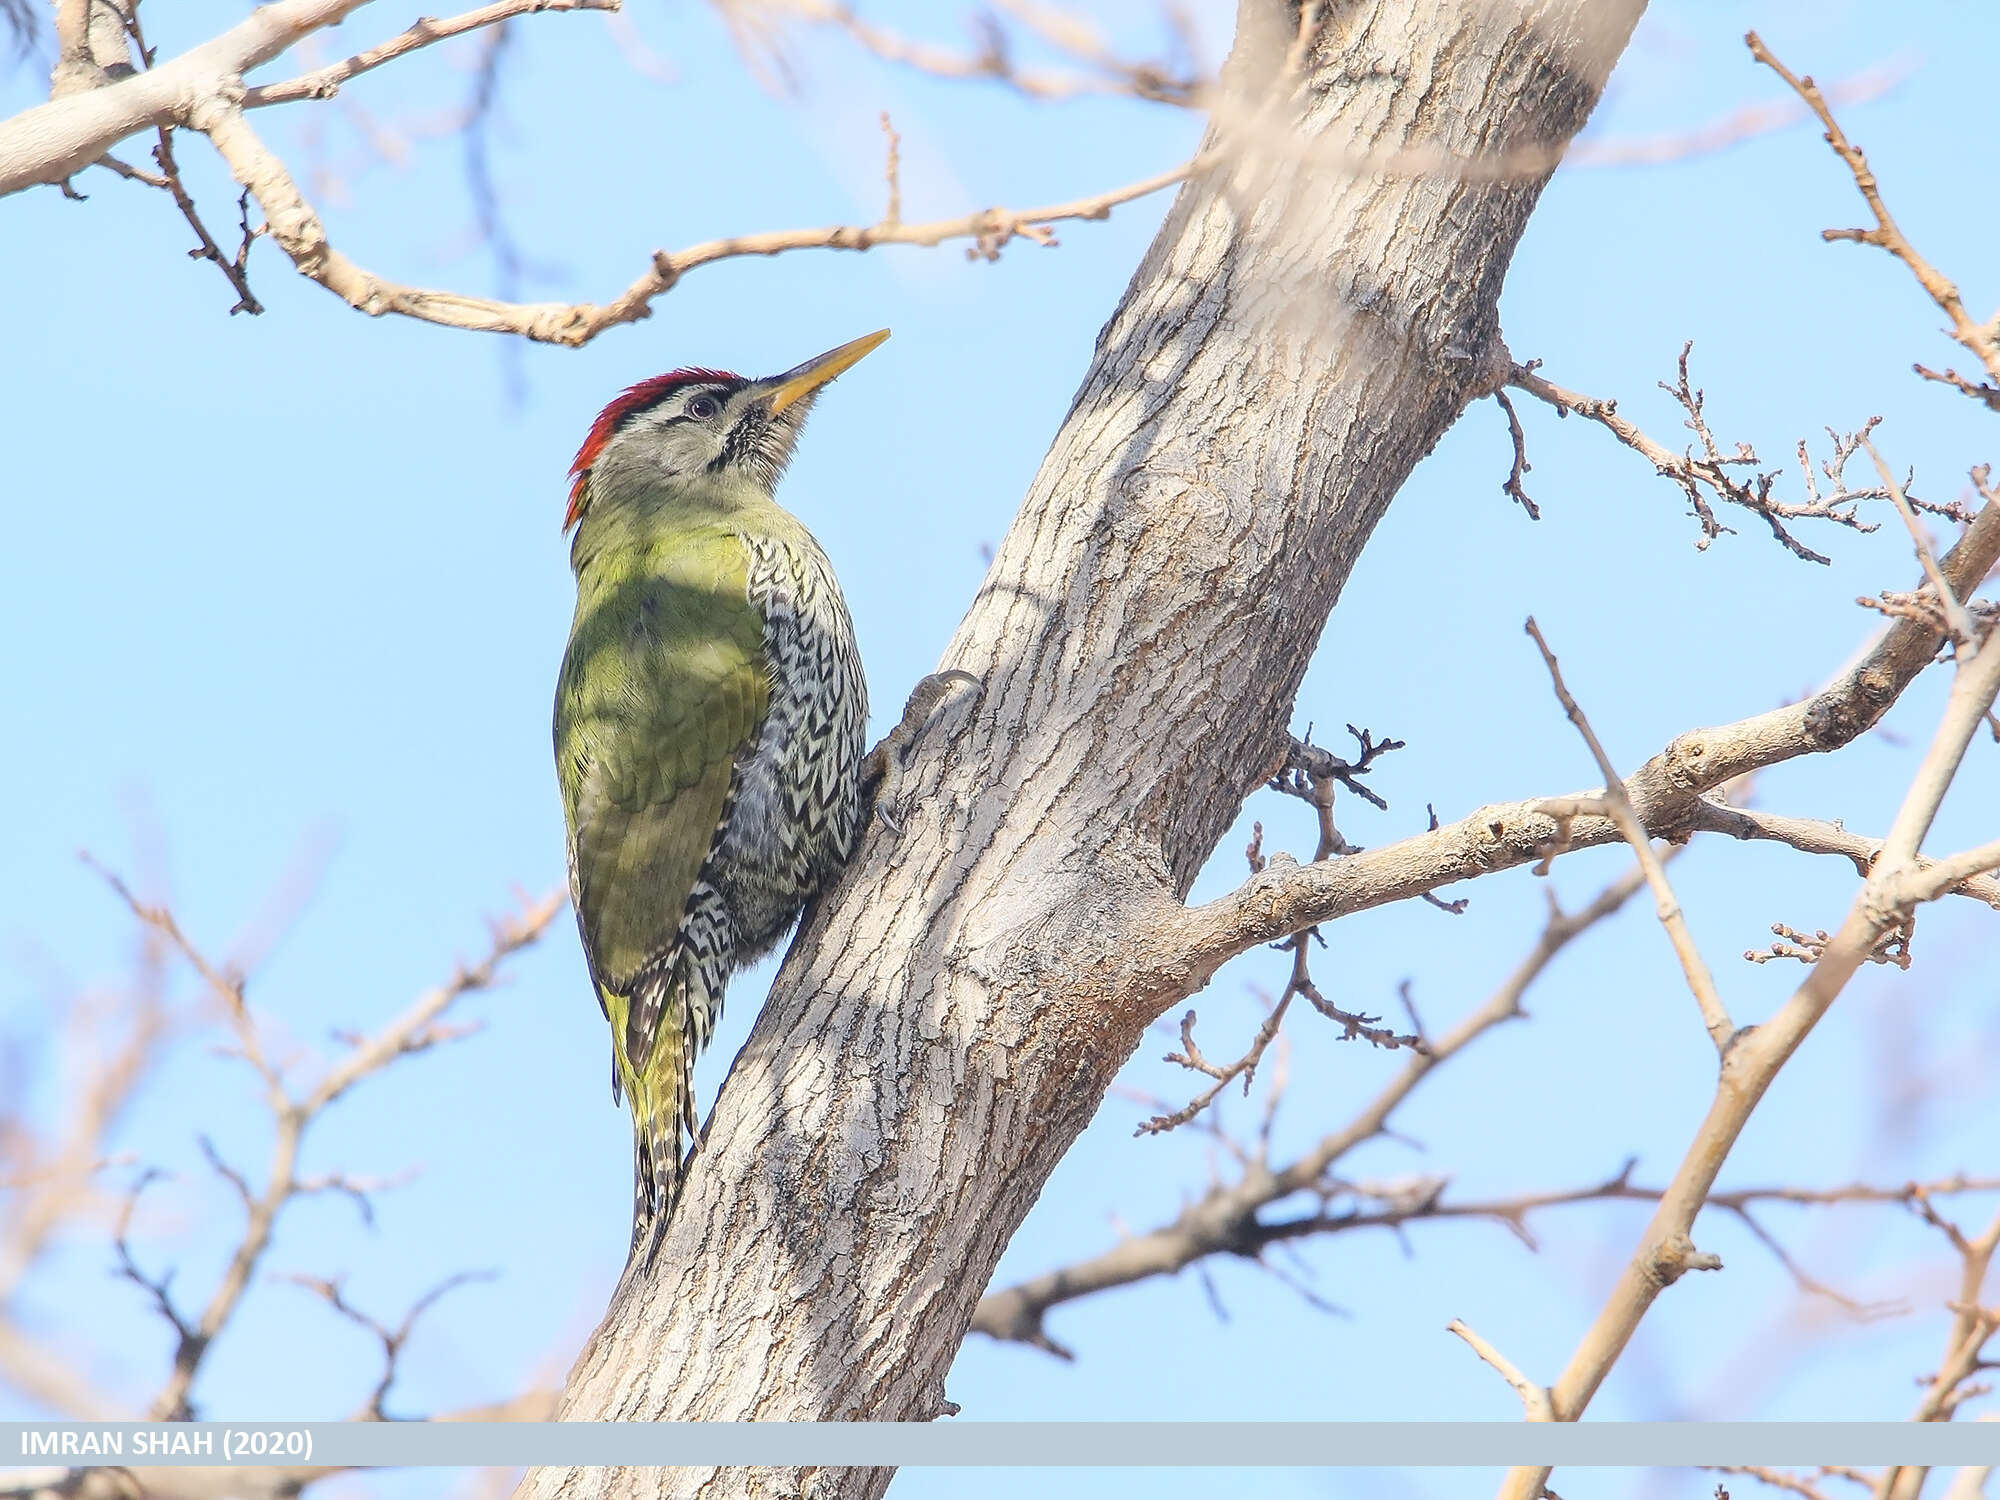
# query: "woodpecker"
{"type": "Point", "coordinates": [709, 723]}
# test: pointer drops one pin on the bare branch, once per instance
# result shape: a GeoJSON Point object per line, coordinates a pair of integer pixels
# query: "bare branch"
{"type": "Point", "coordinates": [1534, 1398]}
{"type": "Point", "coordinates": [324, 83]}
{"type": "Point", "coordinates": [1709, 471]}
{"type": "Point", "coordinates": [1893, 889]}
{"type": "Point", "coordinates": [234, 269]}
{"type": "Point", "coordinates": [1310, 773]}
{"type": "Point", "coordinates": [1983, 340]}
{"type": "Point", "coordinates": [1190, 1057]}
{"type": "Point", "coordinates": [163, 1482]}
{"type": "Point", "coordinates": [200, 90]}
{"type": "Point", "coordinates": [1892, 947]}
{"type": "Point", "coordinates": [1667, 794]}
{"type": "Point", "coordinates": [416, 1030]}
{"type": "Point", "coordinates": [130, 173]}
{"type": "Point", "coordinates": [1811, 836]}
{"type": "Point", "coordinates": [392, 1340]}
{"type": "Point", "coordinates": [1864, 1312]}
{"type": "Point", "coordinates": [1618, 805]}
{"type": "Point", "coordinates": [1512, 485]}
{"type": "Point", "coordinates": [158, 1289]}
{"type": "Point", "coordinates": [1962, 632]}
{"type": "Point", "coordinates": [1986, 395]}
{"type": "Point", "coordinates": [297, 230]}
{"type": "Point", "coordinates": [1307, 765]}
{"type": "Point", "coordinates": [1973, 1326]}
{"type": "Point", "coordinates": [1747, 123]}
{"type": "Point", "coordinates": [112, 1047]}
{"type": "Point", "coordinates": [56, 140]}
{"type": "Point", "coordinates": [1226, 1219]}
{"type": "Point", "coordinates": [892, 171]}
{"type": "Point", "coordinates": [1929, 879]}
{"type": "Point", "coordinates": [1355, 1027]}
{"type": "Point", "coordinates": [1924, 604]}
{"type": "Point", "coordinates": [1106, 72]}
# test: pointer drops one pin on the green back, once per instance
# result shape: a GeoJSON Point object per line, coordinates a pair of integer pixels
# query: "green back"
{"type": "Point", "coordinates": [663, 683]}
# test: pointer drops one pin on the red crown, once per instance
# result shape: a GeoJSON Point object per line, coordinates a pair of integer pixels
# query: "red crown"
{"type": "Point", "coordinates": [632, 399]}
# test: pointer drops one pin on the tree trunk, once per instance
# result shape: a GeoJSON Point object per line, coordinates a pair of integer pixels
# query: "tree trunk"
{"type": "Point", "coordinates": [1319, 306]}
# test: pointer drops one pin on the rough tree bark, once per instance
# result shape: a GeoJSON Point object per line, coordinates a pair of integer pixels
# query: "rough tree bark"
{"type": "Point", "coordinates": [1319, 306]}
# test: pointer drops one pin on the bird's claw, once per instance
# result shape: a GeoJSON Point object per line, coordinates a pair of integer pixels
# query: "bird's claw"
{"type": "Point", "coordinates": [893, 753]}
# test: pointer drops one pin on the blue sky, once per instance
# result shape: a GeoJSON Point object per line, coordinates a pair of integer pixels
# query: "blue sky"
{"type": "Point", "coordinates": [291, 588]}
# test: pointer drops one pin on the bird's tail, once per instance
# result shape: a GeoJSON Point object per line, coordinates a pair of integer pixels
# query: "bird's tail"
{"type": "Point", "coordinates": [660, 1090]}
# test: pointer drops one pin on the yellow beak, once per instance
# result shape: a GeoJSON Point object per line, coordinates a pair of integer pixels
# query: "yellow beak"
{"type": "Point", "coordinates": [815, 373]}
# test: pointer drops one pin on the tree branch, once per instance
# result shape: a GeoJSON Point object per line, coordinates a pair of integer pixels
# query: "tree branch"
{"type": "Point", "coordinates": [1667, 793]}
{"type": "Point", "coordinates": [1893, 888]}
{"type": "Point", "coordinates": [994, 61]}
{"type": "Point", "coordinates": [1766, 117]}
{"type": "Point", "coordinates": [1534, 1398]}
{"type": "Point", "coordinates": [324, 83]}
{"type": "Point", "coordinates": [1982, 339]}
{"type": "Point", "coordinates": [56, 140]}
{"type": "Point", "coordinates": [1226, 1219]}
{"type": "Point", "coordinates": [1617, 804]}
{"type": "Point", "coordinates": [1812, 836]}
{"type": "Point", "coordinates": [416, 1030]}
{"type": "Point", "coordinates": [297, 230]}
{"type": "Point", "coordinates": [1973, 1325]}
{"type": "Point", "coordinates": [113, 1049]}
{"type": "Point", "coordinates": [1959, 626]}
{"type": "Point", "coordinates": [236, 269]}
{"type": "Point", "coordinates": [1710, 471]}
{"type": "Point", "coordinates": [392, 1340]}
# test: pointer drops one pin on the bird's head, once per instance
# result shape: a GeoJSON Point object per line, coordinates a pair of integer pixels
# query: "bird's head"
{"type": "Point", "coordinates": [691, 423]}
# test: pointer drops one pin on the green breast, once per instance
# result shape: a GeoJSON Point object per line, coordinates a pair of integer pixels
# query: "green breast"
{"type": "Point", "coordinates": [663, 683]}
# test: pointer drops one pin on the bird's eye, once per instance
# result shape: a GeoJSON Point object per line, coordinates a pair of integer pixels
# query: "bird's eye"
{"type": "Point", "coordinates": [701, 408]}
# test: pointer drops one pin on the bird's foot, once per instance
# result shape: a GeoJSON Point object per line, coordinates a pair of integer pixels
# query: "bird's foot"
{"type": "Point", "coordinates": [893, 753]}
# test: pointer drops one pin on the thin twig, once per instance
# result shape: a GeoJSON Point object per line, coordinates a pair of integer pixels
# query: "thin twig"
{"type": "Point", "coordinates": [1667, 792]}
{"type": "Point", "coordinates": [1708, 472]}
{"type": "Point", "coordinates": [993, 60]}
{"type": "Point", "coordinates": [1973, 1326]}
{"type": "Point", "coordinates": [893, 172]}
{"type": "Point", "coordinates": [1747, 123]}
{"type": "Point", "coordinates": [324, 83]}
{"type": "Point", "coordinates": [1226, 1220]}
{"type": "Point", "coordinates": [1812, 836]}
{"type": "Point", "coordinates": [392, 1340]}
{"type": "Point", "coordinates": [1534, 1398]}
{"type": "Point", "coordinates": [1982, 339]}
{"type": "Point", "coordinates": [1512, 485]}
{"type": "Point", "coordinates": [417, 1029]}
{"type": "Point", "coordinates": [298, 231]}
{"type": "Point", "coordinates": [1963, 633]}
{"type": "Point", "coordinates": [1617, 805]}
{"type": "Point", "coordinates": [234, 269]}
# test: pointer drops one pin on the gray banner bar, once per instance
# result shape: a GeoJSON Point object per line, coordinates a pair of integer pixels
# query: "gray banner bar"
{"type": "Point", "coordinates": [1003, 1444]}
